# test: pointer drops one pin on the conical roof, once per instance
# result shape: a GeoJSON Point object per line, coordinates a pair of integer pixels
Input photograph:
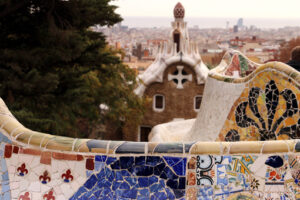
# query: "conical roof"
{"type": "Point", "coordinates": [179, 11]}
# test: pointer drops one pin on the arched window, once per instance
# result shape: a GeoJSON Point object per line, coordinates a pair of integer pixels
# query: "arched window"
{"type": "Point", "coordinates": [158, 102]}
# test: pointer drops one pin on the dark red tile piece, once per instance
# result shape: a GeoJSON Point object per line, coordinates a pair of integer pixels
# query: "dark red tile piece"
{"type": "Point", "coordinates": [8, 151]}
{"type": "Point", "coordinates": [79, 157]}
{"type": "Point", "coordinates": [89, 164]}
{"type": "Point", "coordinates": [16, 149]}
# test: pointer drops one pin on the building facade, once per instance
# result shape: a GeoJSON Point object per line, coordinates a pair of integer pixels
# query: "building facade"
{"type": "Point", "coordinates": [174, 82]}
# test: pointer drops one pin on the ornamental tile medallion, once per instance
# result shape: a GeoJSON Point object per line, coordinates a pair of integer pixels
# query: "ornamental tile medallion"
{"type": "Point", "coordinates": [266, 110]}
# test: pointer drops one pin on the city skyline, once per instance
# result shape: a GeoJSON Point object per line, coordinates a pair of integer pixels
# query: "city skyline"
{"type": "Point", "coordinates": [212, 8]}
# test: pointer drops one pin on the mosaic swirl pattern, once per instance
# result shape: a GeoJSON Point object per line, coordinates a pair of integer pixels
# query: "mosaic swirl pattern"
{"type": "Point", "coordinates": [266, 110]}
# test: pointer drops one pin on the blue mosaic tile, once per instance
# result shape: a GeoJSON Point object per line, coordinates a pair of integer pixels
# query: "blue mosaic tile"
{"type": "Point", "coordinates": [162, 183]}
{"type": "Point", "coordinates": [89, 184]}
{"type": "Point", "coordinates": [100, 158]}
{"type": "Point", "coordinates": [116, 165]}
{"type": "Point", "coordinates": [169, 173]}
{"type": "Point", "coordinates": [125, 186]}
{"type": "Point", "coordinates": [126, 162]}
{"type": "Point", "coordinates": [99, 165]}
{"type": "Point", "coordinates": [172, 184]}
{"type": "Point", "coordinates": [144, 192]}
{"type": "Point", "coordinates": [110, 160]}
{"type": "Point", "coordinates": [131, 180]}
{"type": "Point", "coordinates": [125, 173]}
{"type": "Point", "coordinates": [180, 168]}
{"type": "Point", "coordinates": [274, 161]}
{"type": "Point", "coordinates": [170, 195]}
{"type": "Point", "coordinates": [132, 177]}
{"type": "Point", "coordinates": [172, 160]}
{"type": "Point", "coordinates": [143, 182]}
{"type": "Point", "coordinates": [132, 193]}
{"type": "Point", "coordinates": [179, 193]}
{"type": "Point", "coordinates": [143, 171]}
{"type": "Point", "coordinates": [153, 160]}
{"type": "Point", "coordinates": [161, 195]}
{"type": "Point", "coordinates": [119, 176]}
{"type": "Point", "coordinates": [141, 160]}
{"type": "Point", "coordinates": [159, 169]}
{"type": "Point", "coordinates": [142, 198]}
{"type": "Point", "coordinates": [181, 183]}
{"type": "Point", "coordinates": [153, 179]}
{"type": "Point", "coordinates": [116, 185]}
{"type": "Point", "coordinates": [155, 187]}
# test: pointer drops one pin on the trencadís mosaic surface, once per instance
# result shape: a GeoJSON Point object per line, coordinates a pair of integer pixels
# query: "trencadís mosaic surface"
{"type": "Point", "coordinates": [28, 174]}
{"type": "Point", "coordinates": [37, 166]}
{"type": "Point", "coordinates": [268, 109]}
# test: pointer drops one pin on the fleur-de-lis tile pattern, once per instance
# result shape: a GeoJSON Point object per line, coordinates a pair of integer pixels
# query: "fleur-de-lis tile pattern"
{"type": "Point", "coordinates": [45, 178]}
{"type": "Point", "coordinates": [22, 171]}
{"type": "Point", "coordinates": [67, 177]}
{"type": "Point", "coordinates": [268, 109]}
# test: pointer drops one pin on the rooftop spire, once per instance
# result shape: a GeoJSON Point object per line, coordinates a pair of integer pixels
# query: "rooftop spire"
{"type": "Point", "coordinates": [179, 11]}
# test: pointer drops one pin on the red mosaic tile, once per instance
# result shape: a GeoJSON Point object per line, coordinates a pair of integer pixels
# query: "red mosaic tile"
{"type": "Point", "coordinates": [70, 156]}
{"type": "Point", "coordinates": [8, 151]}
{"type": "Point", "coordinates": [191, 178]}
{"type": "Point", "coordinates": [63, 156]}
{"type": "Point", "coordinates": [89, 164]}
{"type": "Point", "coordinates": [16, 149]}
{"type": "Point", "coordinates": [34, 152]}
{"type": "Point", "coordinates": [192, 163]}
{"type": "Point", "coordinates": [79, 157]}
{"type": "Point", "coordinates": [46, 158]}
{"type": "Point", "coordinates": [58, 156]}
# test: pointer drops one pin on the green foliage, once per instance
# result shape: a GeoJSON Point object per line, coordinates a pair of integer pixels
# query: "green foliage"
{"type": "Point", "coordinates": [55, 72]}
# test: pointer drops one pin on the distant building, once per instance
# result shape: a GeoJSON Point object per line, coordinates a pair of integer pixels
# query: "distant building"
{"type": "Point", "coordinates": [235, 29]}
{"type": "Point", "coordinates": [240, 22]}
{"type": "Point", "coordinates": [174, 82]}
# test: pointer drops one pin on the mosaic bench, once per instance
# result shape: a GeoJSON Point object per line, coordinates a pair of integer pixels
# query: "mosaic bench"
{"type": "Point", "coordinates": [37, 166]}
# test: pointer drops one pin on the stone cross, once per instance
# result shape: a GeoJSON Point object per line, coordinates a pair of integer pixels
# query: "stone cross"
{"type": "Point", "coordinates": [179, 77]}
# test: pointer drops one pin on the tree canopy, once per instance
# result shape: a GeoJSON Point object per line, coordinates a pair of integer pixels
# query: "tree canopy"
{"type": "Point", "coordinates": [55, 71]}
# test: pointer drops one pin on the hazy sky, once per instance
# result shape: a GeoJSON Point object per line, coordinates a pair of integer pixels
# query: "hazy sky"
{"type": "Point", "coordinates": [212, 8]}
